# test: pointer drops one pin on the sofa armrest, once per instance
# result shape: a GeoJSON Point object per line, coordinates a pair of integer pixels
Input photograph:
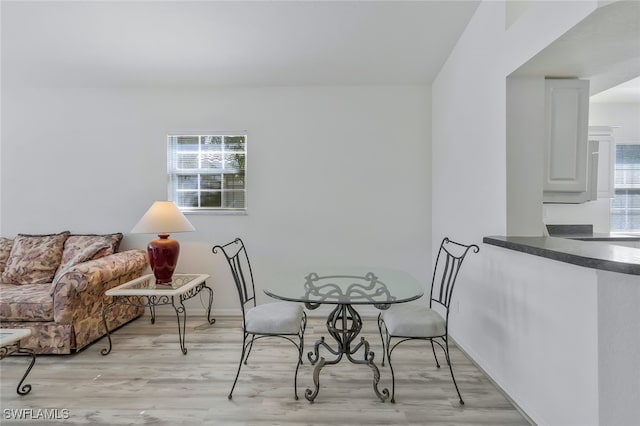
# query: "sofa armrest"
{"type": "Point", "coordinates": [91, 279]}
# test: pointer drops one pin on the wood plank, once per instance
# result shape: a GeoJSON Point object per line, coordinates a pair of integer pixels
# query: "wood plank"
{"type": "Point", "coordinates": [147, 380]}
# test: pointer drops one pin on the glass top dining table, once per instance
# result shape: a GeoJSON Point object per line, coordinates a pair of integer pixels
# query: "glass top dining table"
{"type": "Point", "coordinates": [345, 285]}
{"type": "Point", "coordinates": [345, 288]}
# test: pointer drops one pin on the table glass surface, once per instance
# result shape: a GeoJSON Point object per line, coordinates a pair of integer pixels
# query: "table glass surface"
{"type": "Point", "coordinates": [354, 286]}
{"type": "Point", "coordinates": [11, 335]}
{"type": "Point", "coordinates": [147, 285]}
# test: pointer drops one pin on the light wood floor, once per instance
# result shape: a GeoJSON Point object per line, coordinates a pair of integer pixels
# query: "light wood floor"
{"type": "Point", "coordinates": [147, 380]}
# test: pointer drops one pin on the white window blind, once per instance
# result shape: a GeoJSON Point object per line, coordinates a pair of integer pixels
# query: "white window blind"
{"type": "Point", "coordinates": [625, 206]}
{"type": "Point", "coordinates": [207, 172]}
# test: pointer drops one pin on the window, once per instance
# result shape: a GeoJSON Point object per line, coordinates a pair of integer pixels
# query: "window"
{"type": "Point", "coordinates": [208, 172]}
{"type": "Point", "coordinates": [625, 206]}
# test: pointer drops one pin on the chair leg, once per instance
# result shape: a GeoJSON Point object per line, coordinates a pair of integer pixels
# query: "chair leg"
{"type": "Point", "coordinates": [304, 328]}
{"type": "Point", "coordinates": [381, 337]}
{"type": "Point", "coordinates": [242, 358]}
{"type": "Point", "coordinates": [300, 352]}
{"type": "Point", "coordinates": [393, 376]}
{"type": "Point", "coordinates": [253, 337]}
{"type": "Point", "coordinates": [446, 343]}
{"type": "Point", "coordinates": [295, 376]}
{"type": "Point", "coordinates": [434, 353]}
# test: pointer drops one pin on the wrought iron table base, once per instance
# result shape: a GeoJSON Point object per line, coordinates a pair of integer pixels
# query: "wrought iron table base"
{"type": "Point", "coordinates": [15, 348]}
{"type": "Point", "coordinates": [157, 300]}
{"type": "Point", "coordinates": [343, 324]}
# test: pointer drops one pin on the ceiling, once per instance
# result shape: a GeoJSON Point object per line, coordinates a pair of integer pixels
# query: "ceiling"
{"type": "Point", "coordinates": [227, 43]}
{"type": "Point", "coordinates": [604, 48]}
{"type": "Point", "coordinates": [627, 92]}
{"type": "Point", "coordinates": [186, 43]}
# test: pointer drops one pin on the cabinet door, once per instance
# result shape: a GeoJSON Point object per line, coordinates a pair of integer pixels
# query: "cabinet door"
{"type": "Point", "coordinates": [606, 168]}
{"type": "Point", "coordinates": [606, 161]}
{"type": "Point", "coordinates": [566, 124]}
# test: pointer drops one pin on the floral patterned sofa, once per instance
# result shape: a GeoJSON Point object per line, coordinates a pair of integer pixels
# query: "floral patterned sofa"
{"type": "Point", "coordinates": [54, 285]}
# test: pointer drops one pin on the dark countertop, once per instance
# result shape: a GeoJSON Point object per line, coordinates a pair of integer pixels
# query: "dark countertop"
{"type": "Point", "coordinates": [600, 237]}
{"type": "Point", "coordinates": [625, 260]}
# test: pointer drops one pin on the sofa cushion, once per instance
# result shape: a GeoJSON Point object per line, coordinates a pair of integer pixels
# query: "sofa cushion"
{"type": "Point", "coordinates": [113, 248]}
{"type": "Point", "coordinates": [34, 259]}
{"type": "Point", "coordinates": [26, 302]}
{"type": "Point", "coordinates": [5, 250]}
{"type": "Point", "coordinates": [81, 248]}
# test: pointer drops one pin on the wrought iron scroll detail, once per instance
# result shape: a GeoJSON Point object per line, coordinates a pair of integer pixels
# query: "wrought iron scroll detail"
{"type": "Point", "coordinates": [344, 323]}
{"type": "Point", "coordinates": [152, 301]}
{"type": "Point", "coordinates": [366, 289]}
{"type": "Point", "coordinates": [7, 350]}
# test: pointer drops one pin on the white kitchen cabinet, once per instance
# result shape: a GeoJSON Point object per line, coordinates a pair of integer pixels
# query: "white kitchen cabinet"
{"type": "Point", "coordinates": [567, 158]}
{"type": "Point", "coordinates": [606, 159]}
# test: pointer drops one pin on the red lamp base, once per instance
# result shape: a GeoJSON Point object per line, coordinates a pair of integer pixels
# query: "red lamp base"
{"type": "Point", "coordinates": [163, 257]}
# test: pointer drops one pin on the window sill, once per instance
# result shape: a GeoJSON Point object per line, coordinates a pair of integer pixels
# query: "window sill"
{"type": "Point", "coordinates": [215, 212]}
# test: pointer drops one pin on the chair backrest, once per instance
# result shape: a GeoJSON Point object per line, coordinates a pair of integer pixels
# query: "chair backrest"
{"type": "Point", "coordinates": [238, 260]}
{"type": "Point", "coordinates": [445, 271]}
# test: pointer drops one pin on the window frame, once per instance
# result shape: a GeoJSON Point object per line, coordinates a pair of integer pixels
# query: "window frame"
{"type": "Point", "coordinates": [174, 172]}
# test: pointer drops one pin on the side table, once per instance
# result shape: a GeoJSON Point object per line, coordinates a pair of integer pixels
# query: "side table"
{"type": "Point", "coordinates": [143, 291]}
{"type": "Point", "coordinates": [10, 343]}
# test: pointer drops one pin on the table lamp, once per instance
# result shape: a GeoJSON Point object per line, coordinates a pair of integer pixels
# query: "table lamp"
{"type": "Point", "coordinates": [163, 218]}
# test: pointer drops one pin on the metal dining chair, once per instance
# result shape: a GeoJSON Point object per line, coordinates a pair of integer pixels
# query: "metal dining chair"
{"type": "Point", "coordinates": [281, 319]}
{"type": "Point", "coordinates": [422, 322]}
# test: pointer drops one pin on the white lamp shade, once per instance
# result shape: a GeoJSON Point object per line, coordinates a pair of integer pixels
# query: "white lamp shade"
{"type": "Point", "coordinates": [163, 217]}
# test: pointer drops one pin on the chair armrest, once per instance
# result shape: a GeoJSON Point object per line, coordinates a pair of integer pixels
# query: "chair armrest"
{"type": "Point", "coordinates": [93, 279]}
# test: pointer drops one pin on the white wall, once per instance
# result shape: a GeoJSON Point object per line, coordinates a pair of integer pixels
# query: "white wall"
{"type": "Point", "coordinates": [618, 348]}
{"type": "Point", "coordinates": [525, 146]}
{"type": "Point", "coordinates": [539, 332]}
{"type": "Point", "coordinates": [336, 174]}
{"type": "Point", "coordinates": [470, 201]}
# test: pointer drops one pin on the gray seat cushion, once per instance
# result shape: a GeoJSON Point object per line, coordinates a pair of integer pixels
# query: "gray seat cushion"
{"type": "Point", "coordinates": [274, 318]}
{"type": "Point", "coordinates": [413, 321]}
